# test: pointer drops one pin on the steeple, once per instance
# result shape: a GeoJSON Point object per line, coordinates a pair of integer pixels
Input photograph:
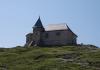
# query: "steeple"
{"type": "Point", "coordinates": [38, 23]}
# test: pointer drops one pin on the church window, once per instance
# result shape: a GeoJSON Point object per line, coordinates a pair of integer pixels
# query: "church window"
{"type": "Point", "coordinates": [58, 33]}
{"type": "Point", "coordinates": [46, 35]}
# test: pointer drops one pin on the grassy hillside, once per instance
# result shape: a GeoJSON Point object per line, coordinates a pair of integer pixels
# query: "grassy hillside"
{"type": "Point", "coordinates": [50, 58]}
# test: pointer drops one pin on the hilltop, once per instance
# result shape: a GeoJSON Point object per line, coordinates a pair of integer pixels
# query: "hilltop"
{"type": "Point", "coordinates": [50, 58]}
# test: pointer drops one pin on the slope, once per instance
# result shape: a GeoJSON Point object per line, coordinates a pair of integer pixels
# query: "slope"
{"type": "Point", "coordinates": [50, 58]}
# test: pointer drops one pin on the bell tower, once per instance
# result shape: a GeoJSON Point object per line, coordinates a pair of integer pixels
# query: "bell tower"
{"type": "Point", "coordinates": [38, 29]}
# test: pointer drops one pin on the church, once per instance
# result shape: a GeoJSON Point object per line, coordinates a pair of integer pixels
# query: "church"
{"type": "Point", "coordinates": [54, 34]}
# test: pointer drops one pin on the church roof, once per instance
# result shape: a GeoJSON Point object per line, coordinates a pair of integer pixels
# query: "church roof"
{"type": "Point", "coordinates": [38, 23]}
{"type": "Point", "coordinates": [62, 26]}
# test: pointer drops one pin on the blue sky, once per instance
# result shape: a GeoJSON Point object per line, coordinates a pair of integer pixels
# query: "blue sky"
{"type": "Point", "coordinates": [18, 16]}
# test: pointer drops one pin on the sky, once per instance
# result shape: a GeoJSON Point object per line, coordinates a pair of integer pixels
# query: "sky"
{"type": "Point", "coordinates": [17, 18]}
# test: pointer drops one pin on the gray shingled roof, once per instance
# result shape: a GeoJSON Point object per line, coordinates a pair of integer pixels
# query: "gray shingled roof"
{"type": "Point", "coordinates": [61, 26]}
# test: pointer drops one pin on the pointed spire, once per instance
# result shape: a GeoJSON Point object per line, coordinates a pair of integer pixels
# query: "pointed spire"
{"type": "Point", "coordinates": [38, 23]}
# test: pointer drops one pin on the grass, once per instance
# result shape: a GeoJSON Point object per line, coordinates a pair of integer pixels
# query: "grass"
{"type": "Point", "coordinates": [50, 58]}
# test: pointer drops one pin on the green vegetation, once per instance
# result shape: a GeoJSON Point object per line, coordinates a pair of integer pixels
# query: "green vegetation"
{"type": "Point", "coordinates": [50, 58]}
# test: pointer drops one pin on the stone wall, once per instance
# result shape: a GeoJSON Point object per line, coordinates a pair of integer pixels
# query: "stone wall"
{"type": "Point", "coordinates": [61, 37]}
